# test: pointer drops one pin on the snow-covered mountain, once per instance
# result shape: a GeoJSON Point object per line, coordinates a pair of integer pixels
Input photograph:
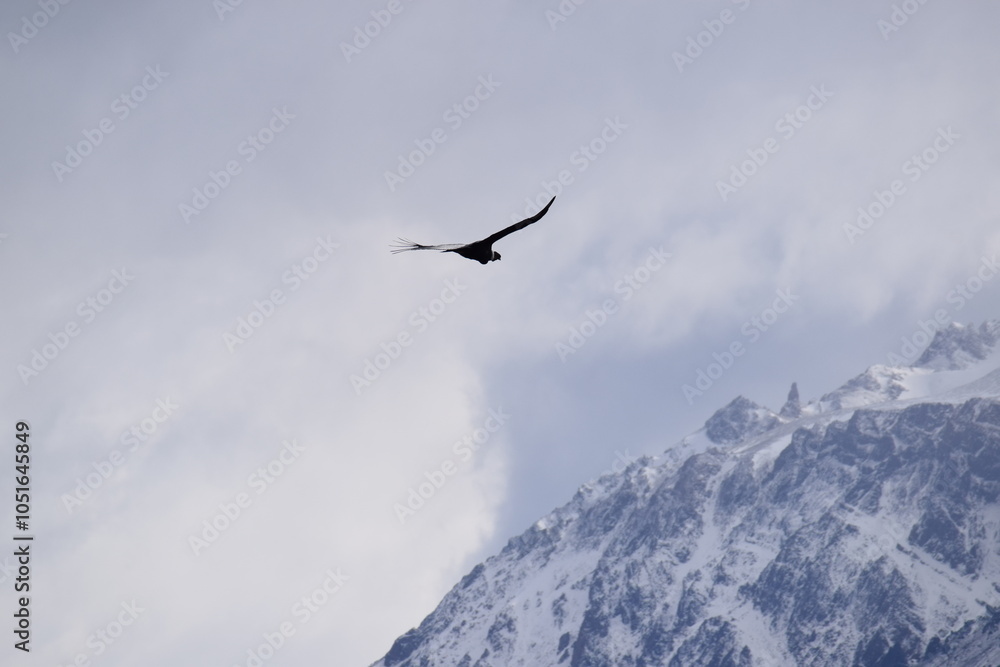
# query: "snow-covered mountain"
{"type": "Point", "coordinates": [862, 528]}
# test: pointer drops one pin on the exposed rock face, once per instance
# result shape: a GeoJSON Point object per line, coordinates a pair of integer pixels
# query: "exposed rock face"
{"type": "Point", "coordinates": [792, 409]}
{"type": "Point", "coordinates": [878, 383]}
{"type": "Point", "coordinates": [959, 346]}
{"type": "Point", "coordinates": [871, 541]}
{"type": "Point", "coordinates": [739, 420]}
{"type": "Point", "coordinates": [830, 534]}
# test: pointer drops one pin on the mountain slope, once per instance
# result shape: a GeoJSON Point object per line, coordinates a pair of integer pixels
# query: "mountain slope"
{"type": "Point", "coordinates": [859, 529]}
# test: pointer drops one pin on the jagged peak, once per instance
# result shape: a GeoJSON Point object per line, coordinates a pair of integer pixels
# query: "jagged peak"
{"type": "Point", "coordinates": [958, 346]}
{"type": "Point", "coordinates": [740, 419]}
{"type": "Point", "coordinates": [877, 384]}
{"type": "Point", "coordinates": [643, 564]}
{"type": "Point", "coordinates": [792, 408]}
{"type": "Point", "coordinates": [650, 577]}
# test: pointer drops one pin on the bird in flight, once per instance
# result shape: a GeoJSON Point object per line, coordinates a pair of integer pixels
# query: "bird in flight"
{"type": "Point", "coordinates": [482, 251]}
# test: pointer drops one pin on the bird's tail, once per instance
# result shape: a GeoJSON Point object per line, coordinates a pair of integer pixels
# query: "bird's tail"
{"type": "Point", "coordinates": [402, 245]}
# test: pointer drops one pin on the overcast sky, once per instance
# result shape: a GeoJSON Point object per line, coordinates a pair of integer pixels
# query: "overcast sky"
{"type": "Point", "coordinates": [198, 201]}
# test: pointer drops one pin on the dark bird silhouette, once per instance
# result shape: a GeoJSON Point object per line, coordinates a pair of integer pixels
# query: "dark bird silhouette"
{"type": "Point", "coordinates": [481, 251]}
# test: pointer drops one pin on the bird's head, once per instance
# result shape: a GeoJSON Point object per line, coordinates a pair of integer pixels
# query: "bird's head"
{"type": "Point", "coordinates": [496, 256]}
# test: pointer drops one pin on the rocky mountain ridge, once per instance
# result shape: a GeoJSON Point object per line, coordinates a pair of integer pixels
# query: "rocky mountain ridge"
{"type": "Point", "coordinates": [862, 528]}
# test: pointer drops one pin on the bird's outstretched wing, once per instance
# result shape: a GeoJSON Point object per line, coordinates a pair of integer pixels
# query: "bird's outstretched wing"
{"type": "Point", "coordinates": [490, 240]}
{"type": "Point", "coordinates": [402, 245]}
